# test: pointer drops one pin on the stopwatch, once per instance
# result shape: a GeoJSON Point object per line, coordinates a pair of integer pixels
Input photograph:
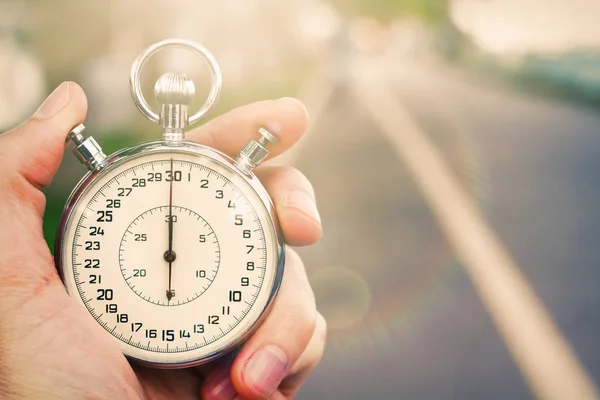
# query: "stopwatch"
{"type": "Point", "coordinates": [173, 247]}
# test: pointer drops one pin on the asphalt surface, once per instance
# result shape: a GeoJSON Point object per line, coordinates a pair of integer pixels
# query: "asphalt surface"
{"type": "Point", "coordinates": [405, 322]}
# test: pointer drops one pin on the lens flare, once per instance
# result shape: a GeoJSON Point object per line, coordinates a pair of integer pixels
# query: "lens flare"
{"type": "Point", "coordinates": [346, 295]}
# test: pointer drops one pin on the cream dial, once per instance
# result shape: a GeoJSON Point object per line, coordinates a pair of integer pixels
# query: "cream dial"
{"type": "Point", "coordinates": [115, 255]}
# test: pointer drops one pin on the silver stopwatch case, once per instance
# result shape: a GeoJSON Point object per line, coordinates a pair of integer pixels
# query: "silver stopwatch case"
{"type": "Point", "coordinates": [174, 92]}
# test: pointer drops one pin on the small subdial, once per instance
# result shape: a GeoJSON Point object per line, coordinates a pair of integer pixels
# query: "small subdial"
{"type": "Point", "coordinates": [144, 256]}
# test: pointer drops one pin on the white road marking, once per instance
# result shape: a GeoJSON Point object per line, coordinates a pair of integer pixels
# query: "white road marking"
{"type": "Point", "coordinates": [544, 357]}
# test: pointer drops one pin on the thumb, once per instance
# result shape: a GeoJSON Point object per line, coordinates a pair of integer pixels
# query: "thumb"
{"type": "Point", "coordinates": [35, 148]}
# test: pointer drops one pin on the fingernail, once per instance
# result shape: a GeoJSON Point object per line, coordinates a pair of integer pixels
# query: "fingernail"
{"type": "Point", "coordinates": [303, 202]}
{"type": "Point", "coordinates": [265, 370]}
{"type": "Point", "coordinates": [57, 100]}
{"type": "Point", "coordinates": [218, 386]}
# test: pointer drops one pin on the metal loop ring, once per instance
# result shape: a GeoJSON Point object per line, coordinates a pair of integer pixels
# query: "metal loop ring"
{"type": "Point", "coordinates": [209, 59]}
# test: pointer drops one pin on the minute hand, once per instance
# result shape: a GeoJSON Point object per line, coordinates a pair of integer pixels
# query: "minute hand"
{"type": "Point", "coordinates": [170, 255]}
{"type": "Point", "coordinates": [171, 210]}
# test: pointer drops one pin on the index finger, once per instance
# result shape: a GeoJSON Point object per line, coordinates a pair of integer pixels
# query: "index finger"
{"type": "Point", "coordinates": [286, 118]}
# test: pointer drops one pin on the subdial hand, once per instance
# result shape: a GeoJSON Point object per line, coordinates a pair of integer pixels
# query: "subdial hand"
{"type": "Point", "coordinates": [170, 255]}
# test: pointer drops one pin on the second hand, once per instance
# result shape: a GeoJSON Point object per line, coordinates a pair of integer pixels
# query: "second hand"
{"type": "Point", "coordinates": [170, 254]}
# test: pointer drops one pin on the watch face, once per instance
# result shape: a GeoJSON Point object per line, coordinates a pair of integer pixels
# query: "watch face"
{"type": "Point", "coordinates": [174, 253]}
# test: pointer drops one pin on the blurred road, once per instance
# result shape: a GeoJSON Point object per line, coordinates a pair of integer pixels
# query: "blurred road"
{"type": "Point", "coordinates": [405, 322]}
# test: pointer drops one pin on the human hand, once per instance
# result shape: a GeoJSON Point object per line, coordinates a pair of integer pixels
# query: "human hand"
{"type": "Point", "coordinates": [50, 347]}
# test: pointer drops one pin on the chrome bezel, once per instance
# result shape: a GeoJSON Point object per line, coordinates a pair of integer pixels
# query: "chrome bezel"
{"type": "Point", "coordinates": [193, 148]}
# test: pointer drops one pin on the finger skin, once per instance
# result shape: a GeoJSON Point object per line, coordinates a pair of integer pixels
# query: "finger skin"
{"type": "Point", "coordinates": [308, 360]}
{"type": "Point", "coordinates": [286, 118]}
{"type": "Point", "coordinates": [36, 147]}
{"type": "Point", "coordinates": [294, 200]}
{"type": "Point", "coordinates": [286, 332]}
{"type": "Point", "coordinates": [288, 328]}
{"type": "Point", "coordinates": [45, 334]}
{"type": "Point", "coordinates": [305, 364]}
{"type": "Point", "coordinates": [29, 157]}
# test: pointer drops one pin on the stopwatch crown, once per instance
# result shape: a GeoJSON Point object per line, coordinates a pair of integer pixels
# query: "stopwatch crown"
{"type": "Point", "coordinates": [174, 91]}
{"type": "Point", "coordinates": [174, 88]}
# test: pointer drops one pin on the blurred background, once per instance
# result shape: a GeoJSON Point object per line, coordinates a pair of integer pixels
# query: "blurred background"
{"type": "Point", "coordinates": [507, 90]}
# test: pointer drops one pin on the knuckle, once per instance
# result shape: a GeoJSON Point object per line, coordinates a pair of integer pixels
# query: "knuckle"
{"type": "Point", "coordinates": [27, 194]}
{"type": "Point", "coordinates": [286, 177]}
{"type": "Point", "coordinates": [317, 354]}
{"type": "Point", "coordinates": [291, 174]}
{"type": "Point", "coordinates": [293, 259]}
{"type": "Point", "coordinates": [283, 173]}
{"type": "Point", "coordinates": [296, 276]}
{"type": "Point", "coordinates": [297, 300]}
{"type": "Point", "coordinates": [302, 319]}
{"type": "Point", "coordinates": [321, 329]}
{"type": "Point", "coordinates": [316, 348]}
{"type": "Point", "coordinates": [318, 340]}
{"type": "Point", "coordinates": [308, 321]}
